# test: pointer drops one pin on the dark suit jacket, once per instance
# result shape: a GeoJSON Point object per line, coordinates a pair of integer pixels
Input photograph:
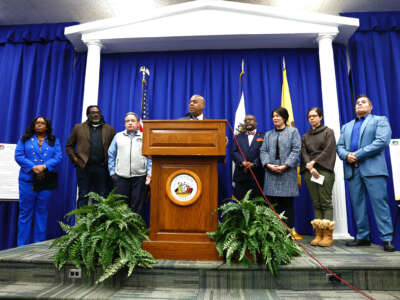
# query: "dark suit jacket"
{"type": "Point", "coordinates": [252, 154]}
{"type": "Point", "coordinates": [188, 116]}
{"type": "Point", "coordinates": [80, 137]}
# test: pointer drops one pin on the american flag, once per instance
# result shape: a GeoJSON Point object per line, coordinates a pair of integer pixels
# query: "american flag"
{"type": "Point", "coordinates": [144, 114]}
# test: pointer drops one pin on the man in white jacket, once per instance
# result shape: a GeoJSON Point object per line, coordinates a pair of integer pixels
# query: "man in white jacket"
{"type": "Point", "coordinates": [129, 169]}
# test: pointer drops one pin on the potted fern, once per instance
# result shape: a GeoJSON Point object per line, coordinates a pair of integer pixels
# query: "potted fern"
{"type": "Point", "coordinates": [250, 233]}
{"type": "Point", "coordinates": [107, 234]}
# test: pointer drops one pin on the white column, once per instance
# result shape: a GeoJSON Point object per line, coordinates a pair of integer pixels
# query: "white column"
{"type": "Point", "coordinates": [91, 89]}
{"type": "Point", "coordinates": [331, 119]}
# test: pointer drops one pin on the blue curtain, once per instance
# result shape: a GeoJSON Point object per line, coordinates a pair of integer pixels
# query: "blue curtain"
{"type": "Point", "coordinates": [345, 111]}
{"type": "Point", "coordinates": [374, 52]}
{"type": "Point", "coordinates": [175, 76]}
{"type": "Point", "coordinates": [39, 75]}
{"type": "Point", "coordinates": [375, 63]}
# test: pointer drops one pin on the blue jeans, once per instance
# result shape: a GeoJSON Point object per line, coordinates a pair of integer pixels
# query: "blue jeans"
{"type": "Point", "coordinates": [376, 188]}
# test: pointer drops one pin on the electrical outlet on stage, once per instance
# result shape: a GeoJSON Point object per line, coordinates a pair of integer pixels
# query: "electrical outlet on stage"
{"type": "Point", "coordinates": [75, 273]}
{"type": "Point", "coordinates": [333, 279]}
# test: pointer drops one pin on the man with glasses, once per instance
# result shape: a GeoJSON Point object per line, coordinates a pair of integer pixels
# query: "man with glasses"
{"type": "Point", "coordinates": [248, 142]}
{"type": "Point", "coordinates": [87, 148]}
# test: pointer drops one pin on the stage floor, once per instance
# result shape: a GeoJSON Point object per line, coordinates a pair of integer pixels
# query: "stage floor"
{"type": "Point", "coordinates": [27, 272]}
{"type": "Point", "coordinates": [48, 291]}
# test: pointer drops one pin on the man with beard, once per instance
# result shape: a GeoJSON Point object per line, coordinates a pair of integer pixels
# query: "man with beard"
{"type": "Point", "coordinates": [91, 140]}
{"type": "Point", "coordinates": [249, 142]}
{"type": "Point", "coordinates": [361, 146]}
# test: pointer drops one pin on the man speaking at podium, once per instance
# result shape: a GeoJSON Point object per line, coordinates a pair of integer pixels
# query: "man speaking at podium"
{"type": "Point", "coordinates": [196, 107]}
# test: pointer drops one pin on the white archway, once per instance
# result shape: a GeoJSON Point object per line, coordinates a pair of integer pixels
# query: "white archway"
{"type": "Point", "coordinates": [207, 24]}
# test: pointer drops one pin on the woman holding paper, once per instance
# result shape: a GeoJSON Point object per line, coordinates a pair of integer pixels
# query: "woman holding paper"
{"type": "Point", "coordinates": [318, 156]}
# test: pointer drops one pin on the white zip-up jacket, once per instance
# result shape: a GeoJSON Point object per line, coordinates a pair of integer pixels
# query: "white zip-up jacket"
{"type": "Point", "coordinates": [125, 155]}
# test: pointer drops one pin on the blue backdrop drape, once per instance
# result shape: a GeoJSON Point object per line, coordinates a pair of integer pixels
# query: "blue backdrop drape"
{"type": "Point", "coordinates": [344, 101]}
{"type": "Point", "coordinates": [374, 52]}
{"type": "Point", "coordinates": [39, 75]}
{"type": "Point", "coordinates": [175, 76]}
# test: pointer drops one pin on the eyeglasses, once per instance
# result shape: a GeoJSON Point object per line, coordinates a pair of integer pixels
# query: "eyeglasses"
{"type": "Point", "coordinates": [94, 112]}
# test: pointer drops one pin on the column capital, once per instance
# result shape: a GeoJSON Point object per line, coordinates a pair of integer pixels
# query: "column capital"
{"type": "Point", "coordinates": [97, 43]}
{"type": "Point", "coordinates": [326, 36]}
{"type": "Point", "coordinates": [92, 75]}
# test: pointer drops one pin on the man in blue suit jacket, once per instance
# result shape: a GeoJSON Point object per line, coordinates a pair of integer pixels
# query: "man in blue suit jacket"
{"type": "Point", "coordinates": [249, 142]}
{"type": "Point", "coordinates": [361, 146]}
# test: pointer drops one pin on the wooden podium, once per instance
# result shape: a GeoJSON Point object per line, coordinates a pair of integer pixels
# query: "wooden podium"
{"type": "Point", "coordinates": [184, 187]}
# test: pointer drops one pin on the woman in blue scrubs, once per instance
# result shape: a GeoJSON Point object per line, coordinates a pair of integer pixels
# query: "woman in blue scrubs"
{"type": "Point", "coordinates": [37, 152]}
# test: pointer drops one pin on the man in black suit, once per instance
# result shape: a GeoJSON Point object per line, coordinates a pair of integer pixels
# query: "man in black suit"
{"type": "Point", "coordinates": [249, 142]}
{"type": "Point", "coordinates": [196, 107]}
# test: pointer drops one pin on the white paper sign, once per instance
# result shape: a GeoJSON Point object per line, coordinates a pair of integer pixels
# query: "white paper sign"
{"type": "Point", "coordinates": [319, 180]}
{"type": "Point", "coordinates": [395, 158]}
{"type": "Point", "coordinates": [9, 171]}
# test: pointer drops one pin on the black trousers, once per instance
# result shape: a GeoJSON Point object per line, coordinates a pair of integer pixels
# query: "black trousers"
{"type": "Point", "coordinates": [284, 204]}
{"type": "Point", "coordinates": [242, 187]}
{"type": "Point", "coordinates": [134, 189]}
{"type": "Point", "coordinates": [92, 178]}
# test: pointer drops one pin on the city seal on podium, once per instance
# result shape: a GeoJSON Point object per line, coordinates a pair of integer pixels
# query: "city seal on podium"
{"type": "Point", "coordinates": [183, 187]}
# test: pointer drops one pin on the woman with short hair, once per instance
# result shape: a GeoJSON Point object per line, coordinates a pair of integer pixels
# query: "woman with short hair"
{"type": "Point", "coordinates": [279, 155]}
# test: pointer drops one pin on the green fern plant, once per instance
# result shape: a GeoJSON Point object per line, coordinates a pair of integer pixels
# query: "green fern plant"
{"type": "Point", "coordinates": [106, 233]}
{"type": "Point", "coordinates": [251, 233]}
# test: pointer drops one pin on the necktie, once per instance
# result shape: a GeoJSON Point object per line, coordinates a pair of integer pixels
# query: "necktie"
{"type": "Point", "coordinates": [251, 132]}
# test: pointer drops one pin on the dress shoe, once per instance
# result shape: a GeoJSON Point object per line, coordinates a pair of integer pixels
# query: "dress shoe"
{"type": "Point", "coordinates": [388, 246]}
{"type": "Point", "coordinates": [355, 243]}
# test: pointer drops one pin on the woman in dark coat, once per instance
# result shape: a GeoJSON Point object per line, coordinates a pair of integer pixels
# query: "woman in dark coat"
{"type": "Point", "coordinates": [37, 153]}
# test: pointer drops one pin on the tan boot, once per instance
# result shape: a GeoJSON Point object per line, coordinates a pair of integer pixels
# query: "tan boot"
{"type": "Point", "coordinates": [318, 232]}
{"type": "Point", "coordinates": [327, 227]}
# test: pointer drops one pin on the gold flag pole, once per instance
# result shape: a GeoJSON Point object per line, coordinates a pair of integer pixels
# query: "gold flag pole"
{"type": "Point", "coordinates": [286, 102]}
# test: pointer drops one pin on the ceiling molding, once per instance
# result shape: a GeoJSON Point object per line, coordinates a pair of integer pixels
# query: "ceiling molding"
{"type": "Point", "coordinates": [211, 24]}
